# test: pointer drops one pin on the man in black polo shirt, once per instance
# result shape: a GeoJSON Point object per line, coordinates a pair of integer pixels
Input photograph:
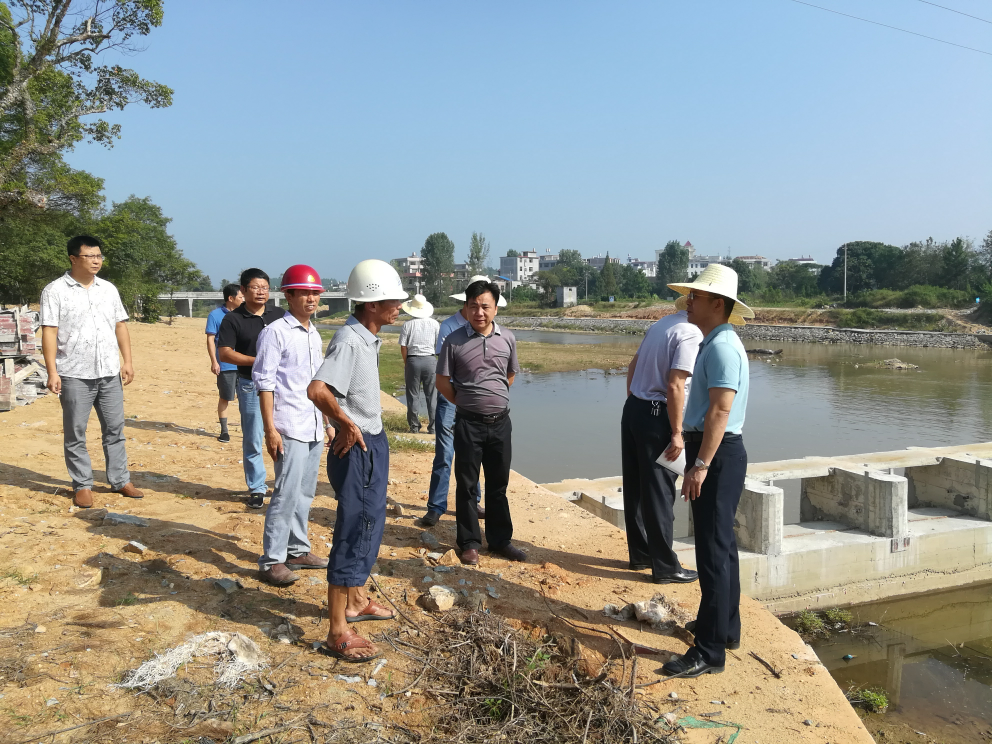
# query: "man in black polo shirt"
{"type": "Point", "coordinates": [475, 370]}
{"type": "Point", "coordinates": [236, 339]}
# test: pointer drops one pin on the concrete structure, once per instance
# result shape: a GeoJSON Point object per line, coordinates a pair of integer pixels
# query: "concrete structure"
{"type": "Point", "coordinates": [336, 302]}
{"type": "Point", "coordinates": [865, 531]}
{"type": "Point", "coordinates": [566, 297]}
{"type": "Point", "coordinates": [698, 263]}
{"type": "Point", "coordinates": [520, 268]}
{"type": "Point", "coordinates": [410, 269]}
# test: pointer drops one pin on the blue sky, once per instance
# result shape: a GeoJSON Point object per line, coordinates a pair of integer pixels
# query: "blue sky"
{"type": "Point", "coordinates": [346, 131]}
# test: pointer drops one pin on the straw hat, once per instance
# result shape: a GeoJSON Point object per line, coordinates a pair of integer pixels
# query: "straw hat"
{"type": "Point", "coordinates": [721, 280]}
{"type": "Point", "coordinates": [418, 307]}
{"type": "Point", "coordinates": [478, 278]}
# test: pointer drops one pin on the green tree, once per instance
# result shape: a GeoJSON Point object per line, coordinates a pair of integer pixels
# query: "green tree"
{"type": "Point", "coordinates": [52, 83]}
{"type": "Point", "coordinates": [984, 259]}
{"type": "Point", "coordinates": [957, 261]}
{"type": "Point", "coordinates": [32, 253]}
{"type": "Point", "coordinates": [512, 253]}
{"type": "Point", "coordinates": [478, 254]}
{"type": "Point", "coordinates": [438, 264]}
{"type": "Point", "coordinates": [870, 265]}
{"type": "Point", "coordinates": [607, 285]}
{"type": "Point", "coordinates": [673, 267]}
{"type": "Point", "coordinates": [794, 279]}
{"type": "Point", "coordinates": [749, 279]}
{"type": "Point", "coordinates": [548, 281]}
{"type": "Point", "coordinates": [633, 282]}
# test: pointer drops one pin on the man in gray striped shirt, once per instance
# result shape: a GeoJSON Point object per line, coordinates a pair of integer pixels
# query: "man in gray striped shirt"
{"type": "Point", "coordinates": [417, 340]}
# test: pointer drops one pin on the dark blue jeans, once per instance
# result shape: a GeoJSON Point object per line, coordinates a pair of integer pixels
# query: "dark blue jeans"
{"type": "Point", "coordinates": [718, 620]}
{"type": "Point", "coordinates": [359, 480]}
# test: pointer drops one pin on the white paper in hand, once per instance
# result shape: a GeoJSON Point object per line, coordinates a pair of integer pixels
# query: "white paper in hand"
{"type": "Point", "coordinates": [677, 465]}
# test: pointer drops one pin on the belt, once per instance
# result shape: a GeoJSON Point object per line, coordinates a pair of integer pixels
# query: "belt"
{"type": "Point", "coordinates": [482, 418]}
{"type": "Point", "coordinates": [419, 356]}
{"type": "Point", "coordinates": [697, 436]}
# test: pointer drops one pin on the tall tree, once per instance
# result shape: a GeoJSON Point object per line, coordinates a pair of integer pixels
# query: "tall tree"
{"type": "Point", "coordinates": [438, 266]}
{"type": "Point", "coordinates": [478, 254]}
{"type": "Point", "coordinates": [512, 253]}
{"type": "Point", "coordinates": [673, 266]}
{"type": "Point", "coordinates": [632, 282]}
{"type": "Point", "coordinates": [608, 278]}
{"type": "Point", "coordinates": [957, 260]}
{"type": "Point", "coordinates": [749, 279]}
{"type": "Point", "coordinates": [52, 82]}
{"type": "Point", "coordinates": [985, 257]}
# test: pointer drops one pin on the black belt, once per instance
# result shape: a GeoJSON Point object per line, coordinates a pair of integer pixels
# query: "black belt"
{"type": "Point", "coordinates": [482, 418]}
{"type": "Point", "coordinates": [697, 436]}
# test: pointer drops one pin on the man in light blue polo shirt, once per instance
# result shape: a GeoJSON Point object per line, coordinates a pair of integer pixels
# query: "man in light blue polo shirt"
{"type": "Point", "coordinates": [714, 420]}
{"type": "Point", "coordinates": [227, 374]}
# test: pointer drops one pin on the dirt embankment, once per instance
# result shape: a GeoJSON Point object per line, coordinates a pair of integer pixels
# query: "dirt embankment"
{"type": "Point", "coordinates": [78, 609]}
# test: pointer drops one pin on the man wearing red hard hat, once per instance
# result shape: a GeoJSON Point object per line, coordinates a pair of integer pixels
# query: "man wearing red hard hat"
{"type": "Point", "coordinates": [289, 355]}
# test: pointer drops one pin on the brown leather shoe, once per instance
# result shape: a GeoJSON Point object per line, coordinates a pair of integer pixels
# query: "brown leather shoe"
{"type": "Point", "coordinates": [482, 512]}
{"type": "Point", "coordinates": [470, 557]}
{"type": "Point", "coordinates": [129, 491]}
{"type": "Point", "coordinates": [279, 575]}
{"type": "Point", "coordinates": [510, 552]}
{"type": "Point", "coordinates": [83, 498]}
{"type": "Point", "coordinates": [307, 560]}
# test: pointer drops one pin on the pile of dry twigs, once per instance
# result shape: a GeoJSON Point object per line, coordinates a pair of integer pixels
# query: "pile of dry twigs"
{"type": "Point", "coordinates": [487, 682]}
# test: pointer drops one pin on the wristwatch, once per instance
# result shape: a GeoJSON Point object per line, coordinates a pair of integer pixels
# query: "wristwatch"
{"type": "Point", "coordinates": [700, 465]}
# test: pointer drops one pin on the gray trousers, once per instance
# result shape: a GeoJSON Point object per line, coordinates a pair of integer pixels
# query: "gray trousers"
{"type": "Point", "coordinates": [78, 399]}
{"type": "Point", "coordinates": [286, 520]}
{"type": "Point", "coordinates": [420, 370]}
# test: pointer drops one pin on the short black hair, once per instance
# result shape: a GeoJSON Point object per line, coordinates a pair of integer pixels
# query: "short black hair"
{"type": "Point", "coordinates": [480, 288]}
{"type": "Point", "coordinates": [248, 274]}
{"type": "Point", "coordinates": [728, 307]}
{"type": "Point", "coordinates": [76, 244]}
{"type": "Point", "coordinates": [231, 290]}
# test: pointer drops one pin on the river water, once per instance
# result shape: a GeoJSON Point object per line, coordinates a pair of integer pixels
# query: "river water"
{"type": "Point", "coordinates": [931, 653]}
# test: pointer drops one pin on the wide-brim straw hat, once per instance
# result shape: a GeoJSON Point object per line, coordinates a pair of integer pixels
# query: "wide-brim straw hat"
{"type": "Point", "coordinates": [478, 278]}
{"type": "Point", "coordinates": [418, 307]}
{"type": "Point", "coordinates": [721, 280]}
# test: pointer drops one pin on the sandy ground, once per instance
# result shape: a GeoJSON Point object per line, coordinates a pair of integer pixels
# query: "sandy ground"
{"type": "Point", "coordinates": [77, 610]}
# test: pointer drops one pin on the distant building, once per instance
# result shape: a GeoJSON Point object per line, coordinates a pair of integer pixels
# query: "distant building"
{"type": "Point", "coordinates": [698, 263]}
{"type": "Point", "coordinates": [462, 274]}
{"type": "Point", "coordinates": [688, 246]}
{"type": "Point", "coordinates": [410, 269]}
{"type": "Point", "coordinates": [520, 268]}
{"type": "Point", "coordinates": [801, 260]}
{"type": "Point", "coordinates": [547, 261]}
{"type": "Point", "coordinates": [755, 262]}
{"type": "Point", "coordinates": [598, 262]}
{"type": "Point", "coordinates": [650, 268]}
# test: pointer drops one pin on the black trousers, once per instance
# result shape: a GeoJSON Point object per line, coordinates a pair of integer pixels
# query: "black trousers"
{"type": "Point", "coordinates": [487, 446]}
{"type": "Point", "coordinates": [648, 488]}
{"type": "Point", "coordinates": [718, 620]}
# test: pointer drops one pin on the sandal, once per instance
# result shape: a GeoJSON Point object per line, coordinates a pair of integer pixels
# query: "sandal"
{"type": "Point", "coordinates": [369, 613]}
{"type": "Point", "coordinates": [343, 644]}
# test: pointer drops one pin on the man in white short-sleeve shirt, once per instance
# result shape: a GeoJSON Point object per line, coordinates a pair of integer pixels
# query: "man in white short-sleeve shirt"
{"type": "Point", "coordinates": [657, 383]}
{"type": "Point", "coordinates": [83, 338]}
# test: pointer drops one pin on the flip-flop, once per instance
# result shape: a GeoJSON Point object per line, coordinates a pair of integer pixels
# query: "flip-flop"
{"type": "Point", "coordinates": [369, 613]}
{"type": "Point", "coordinates": [346, 641]}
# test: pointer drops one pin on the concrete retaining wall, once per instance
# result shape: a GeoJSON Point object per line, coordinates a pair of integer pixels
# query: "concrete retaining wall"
{"type": "Point", "coordinates": [758, 332]}
{"type": "Point", "coordinates": [963, 484]}
{"type": "Point", "coordinates": [868, 500]}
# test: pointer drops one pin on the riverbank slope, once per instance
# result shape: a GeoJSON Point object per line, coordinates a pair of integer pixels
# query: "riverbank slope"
{"type": "Point", "coordinates": [80, 606]}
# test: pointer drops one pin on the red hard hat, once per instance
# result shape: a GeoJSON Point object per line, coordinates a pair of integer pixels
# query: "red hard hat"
{"type": "Point", "coordinates": [301, 276]}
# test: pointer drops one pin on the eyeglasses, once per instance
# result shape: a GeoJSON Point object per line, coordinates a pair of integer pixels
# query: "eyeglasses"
{"type": "Point", "coordinates": [694, 295]}
{"type": "Point", "coordinates": [92, 256]}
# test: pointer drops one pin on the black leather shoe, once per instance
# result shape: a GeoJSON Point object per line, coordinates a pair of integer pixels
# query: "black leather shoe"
{"type": "Point", "coordinates": [691, 627]}
{"type": "Point", "coordinates": [689, 665]}
{"type": "Point", "coordinates": [638, 566]}
{"type": "Point", "coordinates": [429, 519]}
{"type": "Point", "coordinates": [481, 510]}
{"type": "Point", "coordinates": [682, 576]}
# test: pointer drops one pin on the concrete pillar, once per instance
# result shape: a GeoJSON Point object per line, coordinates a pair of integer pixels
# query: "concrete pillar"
{"type": "Point", "coordinates": [868, 500]}
{"type": "Point", "coordinates": [184, 307]}
{"type": "Point", "coordinates": [896, 654]}
{"type": "Point", "coordinates": [758, 523]}
{"type": "Point", "coordinates": [961, 483]}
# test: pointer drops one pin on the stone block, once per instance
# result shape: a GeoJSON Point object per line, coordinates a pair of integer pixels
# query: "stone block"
{"type": "Point", "coordinates": [868, 500]}
{"type": "Point", "coordinates": [758, 523]}
{"type": "Point", "coordinates": [962, 483]}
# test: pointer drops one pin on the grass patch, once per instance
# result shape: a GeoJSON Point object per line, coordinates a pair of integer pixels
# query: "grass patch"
{"type": "Point", "coordinates": [408, 443]}
{"type": "Point", "coordinates": [19, 577]}
{"type": "Point", "coordinates": [128, 600]}
{"type": "Point", "coordinates": [837, 615]}
{"type": "Point", "coordinates": [809, 625]}
{"type": "Point", "coordinates": [872, 699]}
{"type": "Point", "coordinates": [865, 317]}
{"type": "Point", "coordinates": [395, 422]}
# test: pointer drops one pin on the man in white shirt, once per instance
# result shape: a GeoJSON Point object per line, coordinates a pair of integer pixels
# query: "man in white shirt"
{"type": "Point", "coordinates": [83, 338]}
{"type": "Point", "coordinates": [651, 425]}
{"type": "Point", "coordinates": [418, 338]}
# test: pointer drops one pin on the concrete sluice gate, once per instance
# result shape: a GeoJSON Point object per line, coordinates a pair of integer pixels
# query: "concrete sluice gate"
{"type": "Point", "coordinates": [864, 533]}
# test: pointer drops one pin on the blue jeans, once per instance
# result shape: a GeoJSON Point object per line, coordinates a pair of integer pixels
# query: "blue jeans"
{"type": "Point", "coordinates": [252, 436]}
{"type": "Point", "coordinates": [444, 453]}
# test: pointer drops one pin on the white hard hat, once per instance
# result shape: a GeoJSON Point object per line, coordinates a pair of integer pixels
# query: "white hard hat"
{"type": "Point", "coordinates": [373, 280]}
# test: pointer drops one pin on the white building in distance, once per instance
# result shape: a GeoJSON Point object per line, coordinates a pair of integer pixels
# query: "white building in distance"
{"type": "Point", "coordinates": [755, 262]}
{"type": "Point", "coordinates": [520, 268]}
{"type": "Point", "coordinates": [650, 268]}
{"type": "Point", "coordinates": [598, 262]}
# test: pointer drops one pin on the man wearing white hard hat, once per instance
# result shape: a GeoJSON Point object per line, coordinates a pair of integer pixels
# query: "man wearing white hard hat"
{"type": "Point", "coordinates": [346, 389]}
{"type": "Point", "coordinates": [418, 337]}
{"type": "Point", "coordinates": [714, 420]}
{"type": "Point", "coordinates": [444, 422]}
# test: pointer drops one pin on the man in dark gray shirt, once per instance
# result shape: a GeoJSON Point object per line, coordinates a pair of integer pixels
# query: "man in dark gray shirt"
{"type": "Point", "coordinates": [475, 370]}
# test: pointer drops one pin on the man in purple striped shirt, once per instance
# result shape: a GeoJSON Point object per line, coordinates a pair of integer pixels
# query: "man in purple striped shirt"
{"type": "Point", "coordinates": [288, 356]}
